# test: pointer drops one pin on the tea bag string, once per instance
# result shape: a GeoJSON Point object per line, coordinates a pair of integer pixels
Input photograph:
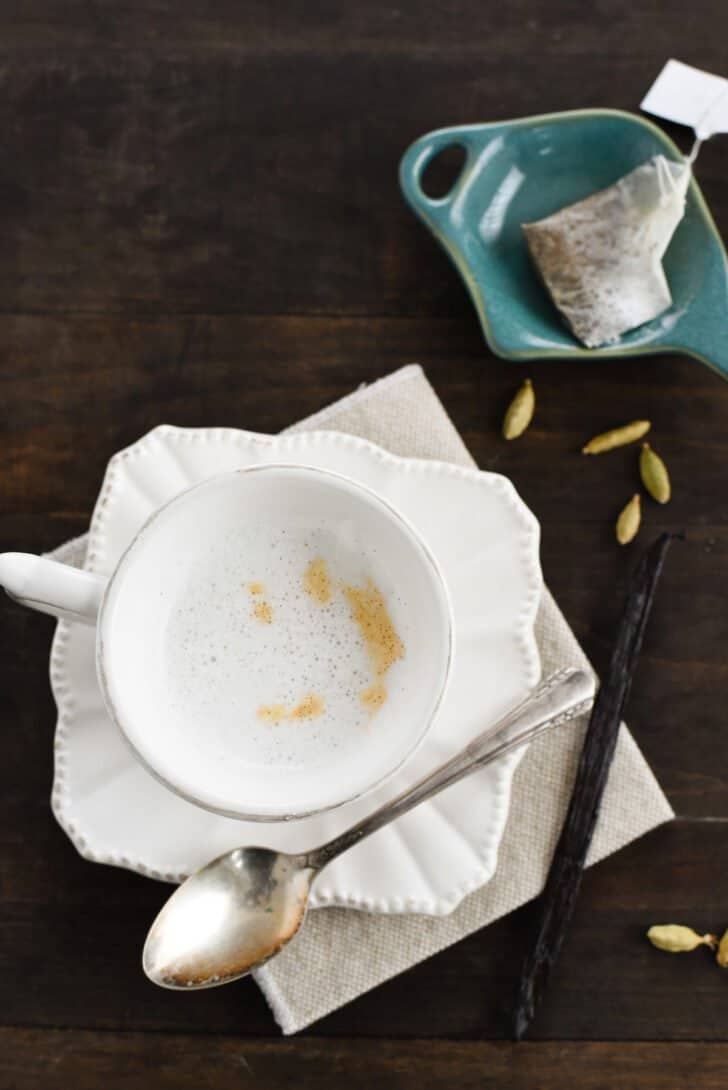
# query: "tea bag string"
{"type": "Point", "coordinates": [700, 135]}
{"type": "Point", "coordinates": [697, 145]}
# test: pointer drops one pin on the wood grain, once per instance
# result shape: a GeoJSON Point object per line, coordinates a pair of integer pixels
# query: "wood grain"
{"type": "Point", "coordinates": [127, 1061]}
{"type": "Point", "coordinates": [215, 169]}
{"type": "Point", "coordinates": [201, 224]}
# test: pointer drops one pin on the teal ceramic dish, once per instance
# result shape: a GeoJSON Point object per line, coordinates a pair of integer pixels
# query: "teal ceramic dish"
{"type": "Point", "coordinates": [519, 171]}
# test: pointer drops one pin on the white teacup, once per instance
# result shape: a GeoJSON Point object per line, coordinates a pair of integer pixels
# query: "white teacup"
{"type": "Point", "coordinates": [274, 642]}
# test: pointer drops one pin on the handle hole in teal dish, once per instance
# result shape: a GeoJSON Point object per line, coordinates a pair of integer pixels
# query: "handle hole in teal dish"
{"type": "Point", "coordinates": [442, 172]}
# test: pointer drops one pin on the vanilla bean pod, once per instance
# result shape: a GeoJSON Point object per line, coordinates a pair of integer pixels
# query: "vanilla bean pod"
{"type": "Point", "coordinates": [562, 885]}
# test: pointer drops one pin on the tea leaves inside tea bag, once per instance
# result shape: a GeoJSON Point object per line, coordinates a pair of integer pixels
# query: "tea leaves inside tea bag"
{"type": "Point", "coordinates": [601, 258]}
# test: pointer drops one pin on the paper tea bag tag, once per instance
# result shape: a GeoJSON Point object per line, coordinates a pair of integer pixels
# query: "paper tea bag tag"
{"type": "Point", "coordinates": [691, 97]}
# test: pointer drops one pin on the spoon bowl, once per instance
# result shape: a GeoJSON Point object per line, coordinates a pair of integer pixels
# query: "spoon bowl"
{"type": "Point", "coordinates": [228, 918]}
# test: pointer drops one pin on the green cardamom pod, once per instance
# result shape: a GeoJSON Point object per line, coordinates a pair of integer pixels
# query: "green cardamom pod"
{"type": "Point", "coordinates": [617, 437]}
{"type": "Point", "coordinates": [629, 520]}
{"type": "Point", "coordinates": [722, 955]}
{"type": "Point", "coordinates": [677, 939]}
{"type": "Point", "coordinates": [520, 411]}
{"type": "Point", "coordinates": [653, 472]}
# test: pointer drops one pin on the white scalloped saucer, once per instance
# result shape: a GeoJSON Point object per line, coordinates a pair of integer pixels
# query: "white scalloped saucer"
{"type": "Point", "coordinates": [486, 543]}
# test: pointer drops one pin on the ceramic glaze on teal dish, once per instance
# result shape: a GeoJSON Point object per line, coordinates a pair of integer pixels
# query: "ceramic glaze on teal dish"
{"type": "Point", "coordinates": [519, 171]}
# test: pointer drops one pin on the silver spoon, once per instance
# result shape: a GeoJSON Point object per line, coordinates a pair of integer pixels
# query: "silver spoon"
{"type": "Point", "coordinates": [239, 911]}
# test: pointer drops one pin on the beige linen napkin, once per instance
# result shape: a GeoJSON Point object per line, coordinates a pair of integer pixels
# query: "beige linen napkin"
{"type": "Point", "coordinates": [309, 979]}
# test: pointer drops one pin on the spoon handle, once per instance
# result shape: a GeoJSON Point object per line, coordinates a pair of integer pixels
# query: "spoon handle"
{"type": "Point", "coordinates": [559, 699]}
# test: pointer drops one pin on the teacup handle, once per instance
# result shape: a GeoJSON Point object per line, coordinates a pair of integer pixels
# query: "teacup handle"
{"type": "Point", "coordinates": [50, 587]}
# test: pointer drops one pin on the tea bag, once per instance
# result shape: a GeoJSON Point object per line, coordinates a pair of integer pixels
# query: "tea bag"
{"type": "Point", "coordinates": [601, 259]}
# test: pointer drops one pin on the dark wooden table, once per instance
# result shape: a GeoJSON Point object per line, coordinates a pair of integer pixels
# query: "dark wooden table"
{"type": "Point", "coordinates": [200, 224]}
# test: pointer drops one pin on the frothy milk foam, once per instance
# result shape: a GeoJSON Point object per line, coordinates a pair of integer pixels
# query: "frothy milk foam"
{"type": "Point", "coordinates": [259, 666]}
